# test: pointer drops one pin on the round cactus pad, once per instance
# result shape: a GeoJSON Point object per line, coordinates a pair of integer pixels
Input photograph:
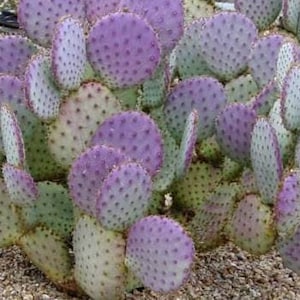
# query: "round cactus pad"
{"type": "Point", "coordinates": [123, 49]}
{"type": "Point", "coordinates": [20, 185]}
{"type": "Point", "coordinates": [263, 13]}
{"type": "Point", "coordinates": [234, 125]}
{"type": "Point", "coordinates": [124, 196]}
{"type": "Point", "coordinates": [79, 116]}
{"type": "Point", "coordinates": [251, 226]}
{"type": "Point", "coordinates": [225, 41]}
{"type": "Point", "coordinates": [287, 206]}
{"type": "Point", "coordinates": [39, 18]}
{"type": "Point", "coordinates": [204, 94]}
{"type": "Point", "coordinates": [68, 53]}
{"type": "Point", "coordinates": [266, 159]}
{"type": "Point", "coordinates": [135, 134]}
{"type": "Point", "coordinates": [166, 17]}
{"type": "Point", "coordinates": [41, 93]}
{"type": "Point", "coordinates": [290, 99]}
{"type": "Point", "coordinates": [12, 137]}
{"type": "Point", "coordinates": [159, 253]}
{"type": "Point", "coordinates": [15, 51]}
{"type": "Point", "coordinates": [99, 260]}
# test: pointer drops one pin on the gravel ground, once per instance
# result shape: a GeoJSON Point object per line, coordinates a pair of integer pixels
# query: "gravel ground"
{"type": "Point", "coordinates": [226, 273]}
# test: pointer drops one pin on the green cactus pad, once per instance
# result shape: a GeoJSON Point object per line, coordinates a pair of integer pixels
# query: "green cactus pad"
{"type": "Point", "coordinates": [49, 253]}
{"type": "Point", "coordinates": [124, 196]}
{"type": "Point", "coordinates": [266, 159]}
{"type": "Point", "coordinates": [210, 220]}
{"type": "Point", "coordinates": [68, 53]}
{"type": "Point", "coordinates": [209, 150]}
{"type": "Point", "coordinates": [290, 16]}
{"type": "Point", "coordinates": [53, 208]}
{"type": "Point", "coordinates": [79, 116]}
{"type": "Point", "coordinates": [12, 137]}
{"type": "Point", "coordinates": [205, 94]}
{"type": "Point", "coordinates": [123, 49]}
{"type": "Point", "coordinates": [11, 227]}
{"type": "Point", "coordinates": [128, 97]}
{"type": "Point", "coordinates": [159, 253]}
{"type": "Point", "coordinates": [20, 185]}
{"type": "Point", "coordinates": [187, 145]}
{"type": "Point", "coordinates": [252, 227]}
{"type": "Point", "coordinates": [248, 182]}
{"type": "Point", "coordinates": [199, 181]}
{"type": "Point", "coordinates": [41, 93]}
{"type": "Point", "coordinates": [99, 260]}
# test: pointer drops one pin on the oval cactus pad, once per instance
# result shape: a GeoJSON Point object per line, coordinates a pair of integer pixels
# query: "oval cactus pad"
{"type": "Point", "coordinates": [159, 253]}
{"type": "Point", "coordinates": [204, 94]}
{"type": "Point", "coordinates": [225, 41]}
{"type": "Point", "coordinates": [123, 49]}
{"type": "Point", "coordinates": [20, 185]}
{"type": "Point", "coordinates": [99, 260]}
{"type": "Point", "coordinates": [88, 172]}
{"type": "Point", "coordinates": [39, 18]}
{"type": "Point", "coordinates": [234, 125]}
{"type": "Point", "coordinates": [68, 53]}
{"type": "Point", "coordinates": [135, 134]}
{"type": "Point", "coordinates": [124, 196]}
{"type": "Point", "coordinates": [42, 94]}
{"type": "Point", "coordinates": [266, 159]}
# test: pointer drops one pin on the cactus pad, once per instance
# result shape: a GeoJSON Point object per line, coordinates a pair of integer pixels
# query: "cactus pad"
{"type": "Point", "coordinates": [79, 116]}
{"type": "Point", "coordinates": [42, 94]}
{"type": "Point", "coordinates": [20, 185]}
{"type": "Point", "coordinates": [234, 125]}
{"type": "Point", "coordinates": [88, 172]}
{"type": "Point", "coordinates": [135, 134]}
{"type": "Point", "coordinates": [99, 260]}
{"type": "Point", "coordinates": [290, 16]}
{"type": "Point", "coordinates": [204, 94]}
{"type": "Point", "coordinates": [159, 253]}
{"type": "Point", "coordinates": [124, 196]}
{"type": "Point", "coordinates": [39, 18]}
{"type": "Point", "coordinates": [225, 41]}
{"type": "Point", "coordinates": [266, 159]}
{"type": "Point", "coordinates": [251, 226]}
{"type": "Point", "coordinates": [68, 53]}
{"type": "Point", "coordinates": [123, 49]}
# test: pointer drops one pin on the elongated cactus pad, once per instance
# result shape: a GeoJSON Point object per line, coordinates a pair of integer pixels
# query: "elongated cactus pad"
{"type": "Point", "coordinates": [266, 159]}
{"type": "Point", "coordinates": [262, 13]}
{"type": "Point", "coordinates": [12, 137]}
{"type": "Point", "coordinates": [166, 17]}
{"type": "Point", "coordinates": [135, 134]}
{"type": "Point", "coordinates": [234, 125]}
{"type": "Point", "coordinates": [225, 41]}
{"type": "Point", "coordinates": [123, 49]}
{"type": "Point", "coordinates": [39, 18]}
{"type": "Point", "coordinates": [159, 253]}
{"type": "Point", "coordinates": [41, 93]}
{"type": "Point", "coordinates": [88, 172]}
{"type": "Point", "coordinates": [99, 260]}
{"type": "Point", "coordinates": [79, 116]}
{"type": "Point", "coordinates": [68, 53]}
{"type": "Point", "coordinates": [20, 185]}
{"type": "Point", "coordinates": [204, 94]}
{"type": "Point", "coordinates": [252, 227]}
{"type": "Point", "coordinates": [124, 196]}
{"type": "Point", "coordinates": [16, 51]}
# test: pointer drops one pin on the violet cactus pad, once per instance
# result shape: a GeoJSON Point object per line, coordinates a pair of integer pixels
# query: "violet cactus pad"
{"type": "Point", "coordinates": [136, 135]}
{"type": "Point", "coordinates": [123, 49]}
{"type": "Point", "coordinates": [159, 253]}
{"type": "Point", "coordinates": [225, 41]}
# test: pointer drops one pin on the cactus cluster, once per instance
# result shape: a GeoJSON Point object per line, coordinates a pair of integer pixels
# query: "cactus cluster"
{"type": "Point", "coordinates": [135, 133]}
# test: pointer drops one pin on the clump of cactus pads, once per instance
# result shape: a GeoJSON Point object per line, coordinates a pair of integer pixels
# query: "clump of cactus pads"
{"type": "Point", "coordinates": [225, 41]}
{"type": "Point", "coordinates": [123, 49]}
{"type": "Point", "coordinates": [204, 94]}
{"type": "Point", "coordinates": [159, 253]}
{"type": "Point", "coordinates": [135, 134]}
